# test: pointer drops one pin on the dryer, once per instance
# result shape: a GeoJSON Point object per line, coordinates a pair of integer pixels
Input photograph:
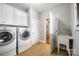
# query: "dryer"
{"type": "Point", "coordinates": [7, 41]}
{"type": "Point", "coordinates": [24, 39]}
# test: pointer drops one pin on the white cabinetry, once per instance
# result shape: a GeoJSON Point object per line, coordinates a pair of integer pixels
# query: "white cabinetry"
{"type": "Point", "coordinates": [17, 17]}
{"type": "Point", "coordinates": [0, 13]}
{"type": "Point", "coordinates": [24, 19]}
{"type": "Point", "coordinates": [10, 15]}
{"type": "Point", "coordinates": [6, 14]}
{"type": "Point", "coordinates": [3, 14]}
{"type": "Point", "coordinates": [20, 18]}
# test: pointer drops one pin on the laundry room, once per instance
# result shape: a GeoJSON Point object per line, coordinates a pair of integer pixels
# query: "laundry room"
{"type": "Point", "coordinates": [43, 29]}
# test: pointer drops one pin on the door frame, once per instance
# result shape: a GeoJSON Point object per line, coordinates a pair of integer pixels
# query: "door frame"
{"type": "Point", "coordinates": [45, 33]}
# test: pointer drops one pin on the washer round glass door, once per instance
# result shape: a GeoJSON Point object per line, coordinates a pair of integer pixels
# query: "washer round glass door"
{"type": "Point", "coordinates": [24, 35]}
{"type": "Point", "coordinates": [6, 37]}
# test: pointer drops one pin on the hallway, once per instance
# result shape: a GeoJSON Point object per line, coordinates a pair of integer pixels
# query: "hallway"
{"type": "Point", "coordinates": [39, 49]}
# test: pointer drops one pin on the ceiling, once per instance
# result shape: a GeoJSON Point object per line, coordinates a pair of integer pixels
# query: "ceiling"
{"type": "Point", "coordinates": [40, 7]}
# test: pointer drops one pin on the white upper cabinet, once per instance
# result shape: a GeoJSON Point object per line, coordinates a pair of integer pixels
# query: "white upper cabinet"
{"type": "Point", "coordinates": [17, 17]}
{"type": "Point", "coordinates": [20, 17]}
{"type": "Point", "coordinates": [0, 13]}
{"type": "Point", "coordinates": [10, 15]}
{"type": "Point", "coordinates": [3, 14]}
{"type": "Point", "coordinates": [24, 19]}
{"type": "Point", "coordinates": [6, 14]}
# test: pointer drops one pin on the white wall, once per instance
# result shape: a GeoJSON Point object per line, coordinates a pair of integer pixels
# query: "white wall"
{"type": "Point", "coordinates": [72, 19]}
{"type": "Point", "coordinates": [63, 12]}
{"type": "Point", "coordinates": [75, 33]}
{"type": "Point", "coordinates": [43, 16]}
{"type": "Point", "coordinates": [34, 24]}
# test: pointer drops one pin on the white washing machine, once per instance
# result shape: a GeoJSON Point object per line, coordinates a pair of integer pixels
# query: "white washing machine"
{"type": "Point", "coordinates": [24, 39]}
{"type": "Point", "coordinates": [7, 41]}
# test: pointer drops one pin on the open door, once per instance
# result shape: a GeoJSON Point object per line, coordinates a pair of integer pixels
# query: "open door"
{"type": "Point", "coordinates": [50, 31]}
{"type": "Point", "coordinates": [53, 30]}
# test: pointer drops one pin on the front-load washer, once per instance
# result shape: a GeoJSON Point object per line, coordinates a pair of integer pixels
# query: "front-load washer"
{"type": "Point", "coordinates": [24, 39]}
{"type": "Point", "coordinates": [7, 41]}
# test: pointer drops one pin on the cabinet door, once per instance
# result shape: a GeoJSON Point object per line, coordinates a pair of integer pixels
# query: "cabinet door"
{"type": "Point", "coordinates": [17, 17]}
{"type": "Point", "coordinates": [24, 19]}
{"type": "Point", "coordinates": [3, 14]}
{"type": "Point", "coordinates": [20, 18]}
{"type": "Point", "coordinates": [6, 14]}
{"type": "Point", "coordinates": [0, 13]}
{"type": "Point", "coordinates": [10, 15]}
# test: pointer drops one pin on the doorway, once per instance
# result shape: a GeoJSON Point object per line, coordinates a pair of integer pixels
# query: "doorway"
{"type": "Point", "coordinates": [47, 26]}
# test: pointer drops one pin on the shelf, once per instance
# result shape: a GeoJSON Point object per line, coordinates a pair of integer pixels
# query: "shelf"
{"type": "Point", "coordinates": [13, 25]}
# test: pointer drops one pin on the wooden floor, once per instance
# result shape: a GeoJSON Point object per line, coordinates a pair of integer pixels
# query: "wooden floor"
{"type": "Point", "coordinates": [39, 50]}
